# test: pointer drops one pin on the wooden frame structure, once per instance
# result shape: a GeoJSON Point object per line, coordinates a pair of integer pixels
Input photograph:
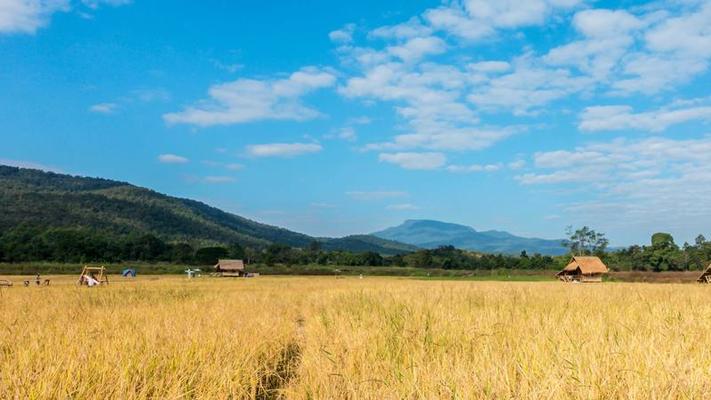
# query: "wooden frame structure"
{"type": "Point", "coordinates": [231, 268]}
{"type": "Point", "coordinates": [705, 276]}
{"type": "Point", "coordinates": [583, 269]}
{"type": "Point", "coordinates": [98, 273]}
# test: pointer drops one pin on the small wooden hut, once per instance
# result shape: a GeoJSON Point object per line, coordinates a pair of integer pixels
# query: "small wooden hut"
{"type": "Point", "coordinates": [583, 269]}
{"type": "Point", "coordinates": [706, 276]}
{"type": "Point", "coordinates": [230, 268]}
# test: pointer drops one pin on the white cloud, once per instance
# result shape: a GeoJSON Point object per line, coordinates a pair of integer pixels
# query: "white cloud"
{"type": "Point", "coordinates": [651, 73]}
{"type": "Point", "coordinates": [282, 149]}
{"type": "Point", "coordinates": [94, 4]}
{"type": "Point", "coordinates": [430, 98]}
{"type": "Point", "coordinates": [518, 164]}
{"type": "Point", "coordinates": [621, 164]}
{"type": "Point", "coordinates": [479, 19]}
{"type": "Point", "coordinates": [26, 16]}
{"type": "Point", "coordinates": [608, 37]}
{"type": "Point", "coordinates": [416, 48]}
{"type": "Point", "coordinates": [688, 34]}
{"type": "Point", "coordinates": [654, 182]}
{"type": "Point", "coordinates": [406, 30]}
{"type": "Point", "coordinates": [609, 118]}
{"type": "Point", "coordinates": [375, 195]}
{"type": "Point", "coordinates": [474, 168]}
{"type": "Point", "coordinates": [490, 66]}
{"type": "Point", "coordinates": [172, 159]}
{"type": "Point", "coordinates": [444, 137]}
{"type": "Point", "coordinates": [403, 207]}
{"type": "Point", "coordinates": [407, 160]}
{"type": "Point", "coordinates": [348, 134]}
{"type": "Point", "coordinates": [104, 108]}
{"type": "Point", "coordinates": [605, 23]}
{"type": "Point", "coordinates": [247, 100]}
{"type": "Point", "coordinates": [677, 49]}
{"type": "Point", "coordinates": [530, 86]}
{"type": "Point", "coordinates": [343, 35]}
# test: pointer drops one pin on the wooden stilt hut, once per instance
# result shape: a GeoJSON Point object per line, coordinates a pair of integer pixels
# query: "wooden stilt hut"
{"type": "Point", "coordinates": [583, 269]}
{"type": "Point", "coordinates": [706, 276]}
{"type": "Point", "coordinates": [230, 268]}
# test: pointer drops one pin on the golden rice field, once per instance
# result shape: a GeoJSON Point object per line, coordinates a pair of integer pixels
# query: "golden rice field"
{"type": "Point", "coordinates": [372, 338]}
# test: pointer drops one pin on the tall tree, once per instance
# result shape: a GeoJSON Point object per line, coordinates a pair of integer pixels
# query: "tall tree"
{"type": "Point", "coordinates": [585, 241]}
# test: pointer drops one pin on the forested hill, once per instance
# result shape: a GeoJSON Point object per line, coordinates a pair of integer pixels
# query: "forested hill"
{"type": "Point", "coordinates": [46, 200]}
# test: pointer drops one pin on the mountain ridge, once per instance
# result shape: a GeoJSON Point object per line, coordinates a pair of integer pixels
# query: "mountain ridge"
{"type": "Point", "coordinates": [427, 233]}
{"type": "Point", "coordinates": [31, 197]}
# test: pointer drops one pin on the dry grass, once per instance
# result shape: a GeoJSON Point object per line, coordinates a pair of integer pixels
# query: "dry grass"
{"type": "Point", "coordinates": [376, 338]}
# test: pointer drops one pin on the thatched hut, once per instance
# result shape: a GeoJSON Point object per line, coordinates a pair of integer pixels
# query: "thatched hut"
{"type": "Point", "coordinates": [706, 276]}
{"type": "Point", "coordinates": [583, 269]}
{"type": "Point", "coordinates": [230, 268]}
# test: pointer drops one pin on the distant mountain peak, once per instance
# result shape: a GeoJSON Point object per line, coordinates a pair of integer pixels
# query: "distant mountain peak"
{"type": "Point", "coordinates": [432, 233]}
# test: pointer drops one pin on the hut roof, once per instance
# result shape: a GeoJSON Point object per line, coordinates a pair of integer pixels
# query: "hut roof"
{"type": "Point", "coordinates": [229, 265]}
{"type": "Point", "coordinates": [587, 265]}
{"type": "Point", "coordinates": [703, 277]}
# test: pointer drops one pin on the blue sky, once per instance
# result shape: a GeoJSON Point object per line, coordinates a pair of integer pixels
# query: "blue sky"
{"type": "Point", "coordinates": [332, 118]}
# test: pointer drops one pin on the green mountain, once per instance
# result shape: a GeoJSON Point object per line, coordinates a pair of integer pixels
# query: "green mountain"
{"type": "Point", "coordinates": [431, 234]}
{"type": "Point", "coordinates": [48, 200]}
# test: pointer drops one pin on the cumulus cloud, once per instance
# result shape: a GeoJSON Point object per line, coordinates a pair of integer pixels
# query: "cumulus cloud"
{"type": "Point", "coordinates": [463, 169]}
{"type": "Point", "coordinates": [676, 50]}
{"type": "Point", "coordinates": [343, 35]}
{"type": "Point", "coordinates": [430, 99]}
{"type": "Point", "coordinates": [650, 182]}
{"type": "Point", "coordinates": [621, 164]}
{"type": "Point", "coordinates": [608, 35]}
{"type": "Point", "coordinates": [417, 48]}
{"type": "Point", "coordinates": [104, 108]}
{"type": "Point", "coordinates": [530, 86]}
{"type": "Point", "coordinates": [96, 3]}
{"type": "Point", "coordinates": [282, 149]}
{"type": "Point", "coordinates": [26, 16]}
{"type": "Point", "coordinates": [610, 118]}
{"type": "Point", "coordinates": [172, 159]}
{"type": "Point", "coordinates": [479, 19]}
{"type": "Point", "coordinates": [414, 160]}
{"type": "Point", "coordinates": [406, 30]}
{"type": "Point", "coordinates": [247, 100]}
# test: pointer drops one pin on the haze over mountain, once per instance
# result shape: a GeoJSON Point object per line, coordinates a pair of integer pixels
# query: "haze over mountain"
{"type": "Point", "coordinates": [48, 200]}
{"type": "Point", "coordinates": [431, 234]}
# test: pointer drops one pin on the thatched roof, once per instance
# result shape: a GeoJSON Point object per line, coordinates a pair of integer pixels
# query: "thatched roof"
{"type": "Point", "coordinates": [704, 278]}
{"type": "Point", "coordinates": [586, 264]}
{"type": "Point", "coordinates": [229, 265]}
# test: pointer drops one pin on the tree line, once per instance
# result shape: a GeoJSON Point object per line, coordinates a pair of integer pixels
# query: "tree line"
{"type": "Point", "coordinates": [65, 245]}
{"type": "Point", "coordinates": [662, 254]}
